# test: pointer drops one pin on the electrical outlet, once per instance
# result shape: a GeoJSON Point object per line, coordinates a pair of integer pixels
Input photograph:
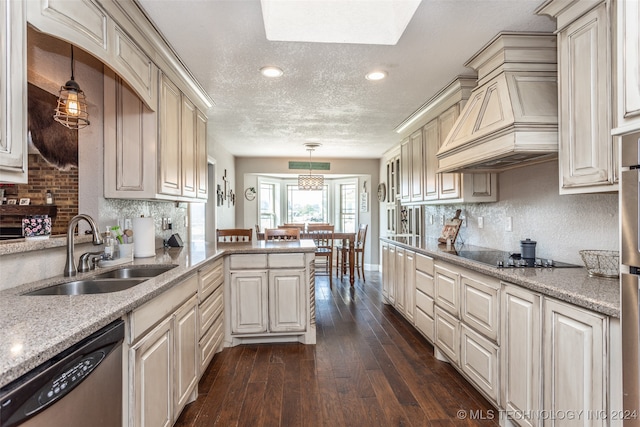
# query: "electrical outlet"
{"type": "Point", "coordinates": [464, 222]}
{"type": "Point", "coordinates": [431, 219]}
{"type": "Point", "coordinates": [442, 220]}
{"type": "Point", "coordinates": [509, 224]}
{"type": "Point", "coordinates": [480, 222]}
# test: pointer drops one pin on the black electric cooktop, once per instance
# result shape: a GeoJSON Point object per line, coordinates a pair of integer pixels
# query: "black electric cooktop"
{"type": "Point", "coordinates": [504, 259]}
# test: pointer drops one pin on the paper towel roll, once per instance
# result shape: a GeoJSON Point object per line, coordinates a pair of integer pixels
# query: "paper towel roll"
{"type": "Point", "coordinates": [144, 237]}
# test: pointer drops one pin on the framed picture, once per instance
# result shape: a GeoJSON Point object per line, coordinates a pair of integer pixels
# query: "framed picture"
{"type": "Point", "coordinates": [12, 201]}
{"type": "Point", "coordinates": [25, 201]}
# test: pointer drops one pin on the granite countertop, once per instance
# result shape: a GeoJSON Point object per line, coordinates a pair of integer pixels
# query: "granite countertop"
{"type": "Point", "coordinates": [572, 285]}
{"type": "Point", "coordinates": [36, 328]}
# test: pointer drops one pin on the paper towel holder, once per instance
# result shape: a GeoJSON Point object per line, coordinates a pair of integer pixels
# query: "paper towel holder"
{"type": "Point", "coordinates": [175, 241]}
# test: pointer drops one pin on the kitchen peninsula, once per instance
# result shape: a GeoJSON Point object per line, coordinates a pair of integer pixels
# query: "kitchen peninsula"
{"type": "Point", "coordinates": [35, 328]}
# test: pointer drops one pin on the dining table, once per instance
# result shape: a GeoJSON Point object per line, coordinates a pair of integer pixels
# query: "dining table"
{"type": "Point", "coordinates": [348, 240]}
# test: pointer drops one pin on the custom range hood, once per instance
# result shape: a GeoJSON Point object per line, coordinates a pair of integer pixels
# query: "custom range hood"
{"type": "Point", "coordinates": [511, 118]}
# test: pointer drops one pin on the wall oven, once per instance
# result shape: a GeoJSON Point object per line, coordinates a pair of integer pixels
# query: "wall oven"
{"type": "Point", "coordinates": [630, 274]}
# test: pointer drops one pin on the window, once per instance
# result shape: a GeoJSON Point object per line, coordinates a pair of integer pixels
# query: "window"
{"type": "Point", "coordinates": [307, 205]}
{"type": "Point", "coordinates": [268, 205]}
{"type": "Point", "coordinates": [347, 214]}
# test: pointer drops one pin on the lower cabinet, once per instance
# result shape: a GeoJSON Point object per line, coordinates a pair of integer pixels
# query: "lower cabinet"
{"type": "Point", "coordinates": [210, 311]}
{"type": "Point", "coordinates": [424, 295]}
{"type": "Point", "coordinates": [399, 280]}
{"type": "Point", "coordinates": [163, 361]}
{"type": "Point", "coordinates": [271, 298]}
{"type": "Point", "coordinates": [480, 361]}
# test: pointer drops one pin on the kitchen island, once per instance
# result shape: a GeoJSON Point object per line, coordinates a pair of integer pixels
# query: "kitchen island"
{"type": "Point", "coordinates": [36, 328]}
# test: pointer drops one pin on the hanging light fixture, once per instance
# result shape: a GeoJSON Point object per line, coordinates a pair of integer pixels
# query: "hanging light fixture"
{"type": "Point", "coordinates": [310, 182]}
{"type": "Point", "coordinates": [72, 104]}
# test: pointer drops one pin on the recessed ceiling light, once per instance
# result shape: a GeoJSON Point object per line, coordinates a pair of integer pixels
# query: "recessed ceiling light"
{"type": "Point", "coordinates": [271, 71]}
{"type": "Point", "coordinates": [376, 75]}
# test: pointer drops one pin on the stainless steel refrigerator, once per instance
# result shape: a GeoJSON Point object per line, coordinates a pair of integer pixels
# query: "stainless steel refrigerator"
{"type": "Point", "coordinates": [630, 275]}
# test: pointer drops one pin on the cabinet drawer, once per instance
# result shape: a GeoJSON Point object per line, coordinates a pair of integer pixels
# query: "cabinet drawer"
{"type": "Point", "coordinates": [424, 264]}
{"type": "Point", "coordinates": [286, 260]}
{"type": "Point", "coordinates": [424, 303]}
{"type": "Point", "coordinates": [424, 323]}
{"type": "Point", "coordinates": [447, 334]}
{"type": "Point", "coordinates": [210, 278]}
{"type": "Point", "coordinates": [152, 312]}
{"type": "Point", "coordinates": [479, 361]}
{"type": "Point", "coordinates": [480, 304]}
{"type": "Point", "coordinates": [210, 342]}
{"type": "Point", "coordinates": [447, 289]}
{"type": "Point", "coordinates": [210, 309]}
{"type": "Point", "coordinates": [424, 283]}
{"type": "Point", "coordinates": [241, 262]}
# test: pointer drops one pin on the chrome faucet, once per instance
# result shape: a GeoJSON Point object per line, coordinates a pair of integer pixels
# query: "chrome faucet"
{"type": "Point", "coordinates": [70, 266]}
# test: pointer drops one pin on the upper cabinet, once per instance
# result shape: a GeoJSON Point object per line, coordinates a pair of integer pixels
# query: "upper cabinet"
{"type": "Point", "coordinates": [427, 129]}
{"type": "Point", "coordinates": [154, 110]}
{"type": "Point", "coordinates": [13, 92]}
{"type": "Point", "coordinates": [627, 77]}
{"type": "Point", "coordinates": [587, 155]}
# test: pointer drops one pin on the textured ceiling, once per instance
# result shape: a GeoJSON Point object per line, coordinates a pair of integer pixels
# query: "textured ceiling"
{"type": "Point", "coordinates": [323, 96]}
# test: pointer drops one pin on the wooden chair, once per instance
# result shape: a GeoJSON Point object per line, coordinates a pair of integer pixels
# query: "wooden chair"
{"type": "Point", "coordinates": [292, 225]}
{"type": "Point", "coordinates": [342, 258]}
{"type": "Point", "coordinates": [322, 236]}
{"type": "Point", "coordinates": [281, 234]}
{"type": "Point", "coordinates": [233, 235]}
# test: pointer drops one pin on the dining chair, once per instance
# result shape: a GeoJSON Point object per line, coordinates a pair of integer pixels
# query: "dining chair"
{"type": "Point", "coordinates": [281, 234]}
{"type": "Point", "coordinates": [292, 225]}
{"type": "Point", "coordinates": [233, 235]}
{"type": "Point", "coordinates": [342, 254]}
{"type": "Point", "coordinates": [322, 236]}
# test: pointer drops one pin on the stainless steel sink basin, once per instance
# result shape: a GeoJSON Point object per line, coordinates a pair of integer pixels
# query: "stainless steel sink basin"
{"type": "Point", "coordinates": [111, 281]}
{"type": "Point", "coordinates": [134, 272]}
{"type": "Point", "coordinates": [89, 286]}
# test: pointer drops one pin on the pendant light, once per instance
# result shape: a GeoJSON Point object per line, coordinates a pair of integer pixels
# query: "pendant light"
{"type": "Point", "coordinates": [71, 110]}
{"type": "Point", "coordinates": [310, 182]}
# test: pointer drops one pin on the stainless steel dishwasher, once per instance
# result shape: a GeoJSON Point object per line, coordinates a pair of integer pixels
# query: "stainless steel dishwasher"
{"type": "Point", "coordinates": [79, 387]}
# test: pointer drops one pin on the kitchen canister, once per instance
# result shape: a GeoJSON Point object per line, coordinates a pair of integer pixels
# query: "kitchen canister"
{"type": "Point", "coordinates": [528, 249]}
{"type": "Point", "coordinates": [144, 237]}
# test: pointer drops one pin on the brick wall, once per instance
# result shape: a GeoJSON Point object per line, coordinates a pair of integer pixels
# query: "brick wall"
{"type": "Point", "coordinates": [43, 177]}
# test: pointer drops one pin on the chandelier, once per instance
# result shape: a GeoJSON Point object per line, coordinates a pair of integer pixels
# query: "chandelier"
{"type": "Point", "coordinates": [71, 110]}
{"type": "Point", "coordinates": [310, 182]}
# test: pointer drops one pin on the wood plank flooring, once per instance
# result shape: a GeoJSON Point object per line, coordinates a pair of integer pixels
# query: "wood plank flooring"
{"type": "Point", "coordinates": [370, 367]}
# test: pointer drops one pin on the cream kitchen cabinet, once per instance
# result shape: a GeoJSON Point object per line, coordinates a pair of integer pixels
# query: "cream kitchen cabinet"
{"type": "Point", "coordinates": [163, 361]}
{"type": "Point", "coordinates": [424, 313]}
{"type": "Point", "coordinates": [201, 161]}
{"type": "Point", "coordinates": [574, 343]}
{"type": "Point", "coordinates": [402, 279]}
{"type": "Point", "coordinates": [627, 58]}
{"type": "Point", "coordinates": [210, 311]}
{"type": "Point", "coordinates": [429, 127]}
{"type": "Point", "coordinates": [270, 298]}
{"type": "Point", "coordinates": [398, 281]}
{"type": "Point", "coordinates": [521, 357]}
{"type": "Point", "coordinates": [410, 285]}
{"type": "Point", "coordinates": [386, 271]}
{"type": "Point", "coordinates": [13, 92]}
{"type": "Point", "coordinates": [587, 154]}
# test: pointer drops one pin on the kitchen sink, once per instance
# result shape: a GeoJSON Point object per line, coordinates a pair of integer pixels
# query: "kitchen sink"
{"type": "Point", "coordinates": [111, 281]}
{"type": "Point", "coordinates": [134, 272]}
{"type": "Point", "coordinates": [89, 286]}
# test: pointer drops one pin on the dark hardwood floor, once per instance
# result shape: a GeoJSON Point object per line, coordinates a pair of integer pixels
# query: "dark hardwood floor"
{"type": "Point", "coordinates": [370, 367]}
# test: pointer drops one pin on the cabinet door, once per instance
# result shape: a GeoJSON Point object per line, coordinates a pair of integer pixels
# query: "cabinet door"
{"type": "Point", "coordinates": [13, 92]}
{"type": "Point", "coordinates": [447, 334]}
{"type": "Point", "coordinates": [424, 314]}
{"type": "Point", "coordinates": [287, 297]}
{"type": "Point", "coordinates": [249, 309]}
{"type": "Point", "coordinates": [385, 271]}
{"type": "Point", "coordinates": [405, 170]}
{"type": "Point", "coordinates": [480, 303]}
{"type": "Point", "coordinates": [399, 283]}
{"type": "Point", "coordinates": [152, 362]}
{"type": "Point", "coordinates": [415, 164]}
{"type": "Point", "coordinates": [449, 183]}
{"type": "Point", "coordinates": [188, 144]}
{"type": "Point", "coordinates": [410, 284]}
{"type": "Point", "coordinates": [520, 354]}
{"type": "Point", "coordinates": [628, 57]}
{"type": "Point", "coordinates": [170, 154]}
{"type": "Point", "coordinates": [392, 274]}
{"type": "Point", "coordinates": [575, 360]}
{"type": "Point", "coordinates": [586, 147]}
{"type": "Point", "coordinates": [201, 156]}
{"type": "Point", "coordinates": [479, 360]}
{"type": "Point", "coordinates": [431, 137]}
{"type": "Point", "coordinates": [130, 140]}
{"type": "Point", "coordinates": [186, 353]}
